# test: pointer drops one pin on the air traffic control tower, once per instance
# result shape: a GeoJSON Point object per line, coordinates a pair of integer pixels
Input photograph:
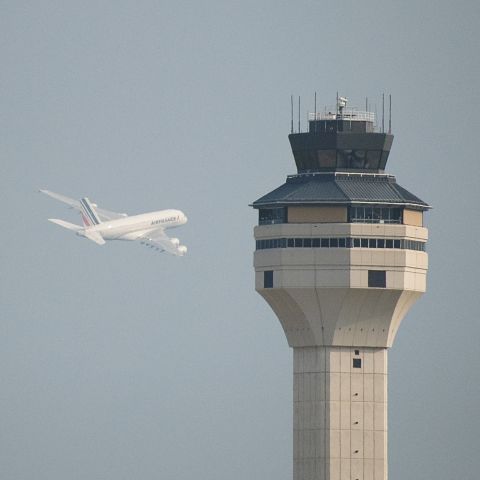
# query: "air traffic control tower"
{"type": "Point", "coordinates": [340, 258]}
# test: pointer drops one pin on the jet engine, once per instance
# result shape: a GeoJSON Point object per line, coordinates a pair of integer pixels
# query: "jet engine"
{"type": "Point", "coordinates": [182, 249]}
{"type": "Point", "coordinates": [175, 241]}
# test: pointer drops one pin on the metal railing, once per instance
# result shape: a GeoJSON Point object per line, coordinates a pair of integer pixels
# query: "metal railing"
{"type": "Point", "coordinates": [346, 114]}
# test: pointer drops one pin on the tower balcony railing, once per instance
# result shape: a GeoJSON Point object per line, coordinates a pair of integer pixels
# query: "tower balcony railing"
{"type": "Point", "coordinates": [345, 114]}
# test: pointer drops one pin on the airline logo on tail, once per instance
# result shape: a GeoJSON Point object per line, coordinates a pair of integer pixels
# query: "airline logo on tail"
{"type": "Point", "coordinates": [88, 213]}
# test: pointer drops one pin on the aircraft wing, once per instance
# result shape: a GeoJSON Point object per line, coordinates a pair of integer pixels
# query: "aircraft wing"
{"type": "Point", "coordinates": [62, 198]}
{"type": "Point", "coordinates": [161, 241]}
{"type": "Point", "coordinates": [104, 214]}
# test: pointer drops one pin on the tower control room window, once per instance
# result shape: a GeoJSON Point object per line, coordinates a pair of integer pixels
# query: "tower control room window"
{"type": "Point", "coordinates": [326, 158]}
{"type": "Point", "coordinates": [374, 214]}
{"type": "Point", "coordinates": [269, 216]}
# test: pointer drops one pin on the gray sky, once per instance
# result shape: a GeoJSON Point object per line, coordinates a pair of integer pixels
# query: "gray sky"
{"type": "Point", "coordinates": [119, 363]}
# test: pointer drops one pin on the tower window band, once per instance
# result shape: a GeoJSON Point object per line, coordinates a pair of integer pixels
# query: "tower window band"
{"type": "Point", "coordinates": [342, 242]}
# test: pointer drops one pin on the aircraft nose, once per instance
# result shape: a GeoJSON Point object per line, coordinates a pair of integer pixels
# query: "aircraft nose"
{"type": "Point", "coordinates": [185, 218]}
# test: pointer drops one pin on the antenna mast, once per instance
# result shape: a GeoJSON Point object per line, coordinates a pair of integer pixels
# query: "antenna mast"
{"type": "Point", "coordinates": [299, 114]}
{"type": "Point", "coordinates": [383, 113]}
{"type": "Point", "coordinates": [291, 117]}
{"type": "Point", "coordinates": [390, 115]}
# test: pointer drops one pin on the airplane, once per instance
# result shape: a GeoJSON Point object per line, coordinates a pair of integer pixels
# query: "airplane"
{"type": "Point", "coordinates": [100, 225]}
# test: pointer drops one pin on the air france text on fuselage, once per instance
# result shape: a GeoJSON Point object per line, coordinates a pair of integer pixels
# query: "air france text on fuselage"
{"type": "Point", "coordinates": [164, 220]}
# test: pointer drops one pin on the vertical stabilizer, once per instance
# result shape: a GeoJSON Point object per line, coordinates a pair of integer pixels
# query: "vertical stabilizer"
{"type": "Point", "coordinates": [88, 213]}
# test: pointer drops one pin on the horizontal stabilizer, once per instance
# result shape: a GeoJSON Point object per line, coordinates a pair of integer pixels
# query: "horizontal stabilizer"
{"type": "Point", "coordinates": [94, 237]}
{"type": "Point", "coordinates": [64, 224]}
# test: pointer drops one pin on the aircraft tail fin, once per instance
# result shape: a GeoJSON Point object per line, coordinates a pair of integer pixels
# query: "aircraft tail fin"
{"type": "Point", "coordinates": [64, 224]}
{"type": "Point", "coordinates": [89, 214]}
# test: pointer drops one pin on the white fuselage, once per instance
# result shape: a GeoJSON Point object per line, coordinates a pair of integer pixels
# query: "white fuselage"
{"type": "Point", "coordinates": [135, 226]}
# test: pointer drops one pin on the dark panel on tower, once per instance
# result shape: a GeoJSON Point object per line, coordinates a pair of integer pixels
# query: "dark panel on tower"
{"type": "Point", "coordinates": [346, 150]}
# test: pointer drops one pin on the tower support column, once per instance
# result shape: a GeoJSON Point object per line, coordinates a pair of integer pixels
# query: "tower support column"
{"type": "Point", "coordinates": [340, 413]}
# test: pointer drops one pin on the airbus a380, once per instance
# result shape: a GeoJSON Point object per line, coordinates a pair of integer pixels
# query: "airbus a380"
{"type": "Point", "coordinates": [100, 225]}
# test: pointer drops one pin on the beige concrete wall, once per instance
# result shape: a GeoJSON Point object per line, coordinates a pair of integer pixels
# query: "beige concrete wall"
{"type": "Point", "coordinates": [413, 217]}
{"type": "Point", "coordinates": [377, 230]}
{"type": "Point", "coordinates": [340, 414]}
{"type": "Point", "coordinates": [367, 317]}
{"type": "Point", "coordinates": [317, 214]}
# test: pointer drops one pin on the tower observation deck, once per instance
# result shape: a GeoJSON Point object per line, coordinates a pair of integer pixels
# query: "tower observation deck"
{"type": "Point", "coordinates": [340, 258]}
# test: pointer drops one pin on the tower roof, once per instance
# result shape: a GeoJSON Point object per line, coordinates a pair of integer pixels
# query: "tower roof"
{"type": "Point", "coordinates": [340, 188]}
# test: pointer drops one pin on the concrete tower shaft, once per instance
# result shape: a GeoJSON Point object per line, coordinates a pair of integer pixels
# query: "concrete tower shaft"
{"type": "Point", "coordinates": [340, 258]}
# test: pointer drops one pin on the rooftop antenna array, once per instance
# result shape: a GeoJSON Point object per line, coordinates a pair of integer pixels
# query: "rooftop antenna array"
{"type": "Point", "coordinates": [341, 105]}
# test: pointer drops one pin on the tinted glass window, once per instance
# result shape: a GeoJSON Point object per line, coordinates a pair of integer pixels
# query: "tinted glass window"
{"type": "Point", "coordinates": [268, 279]}
{"type": "Point", "coordinates": [377, 278]}
{"type": "Point", "coordinates": [373, 159]}
{"type": "Point", "coordinates": [340, 243]}
{"type": "Point", "coordinates": [377, 214]}
{"type": "Point", "coordinates": [383, 160]}
{"type": "Point", "coordinates": [326, 158]}
{"type": "Point", "coordinates": [268, 216]}
{"type": "Point", "coordinates": [352, 158]}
